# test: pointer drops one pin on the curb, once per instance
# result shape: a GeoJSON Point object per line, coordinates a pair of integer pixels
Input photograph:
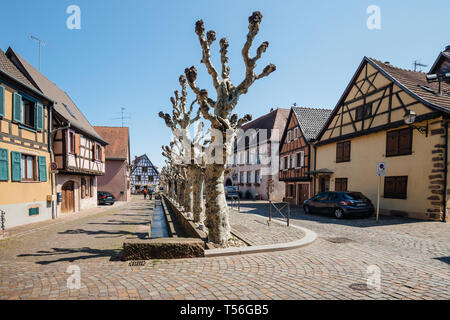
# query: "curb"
{"type": "Point", "coordinates": [310, 237]}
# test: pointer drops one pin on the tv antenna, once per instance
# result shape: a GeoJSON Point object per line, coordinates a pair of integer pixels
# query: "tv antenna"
{"type": "Point", "coordinates": [40, 43]}
{"type": "Point", "coordinates": [417, 63]}
{"type": "Point", "coordinates": [122, 117]}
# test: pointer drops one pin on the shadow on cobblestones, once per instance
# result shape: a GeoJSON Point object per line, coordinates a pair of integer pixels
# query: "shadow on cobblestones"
{"type": "Point", "coordinates": [112, 234]}
{"type": "Point", "coordinates": [444, 259]}
{"type": "Point", "coordinates": [90, 254]}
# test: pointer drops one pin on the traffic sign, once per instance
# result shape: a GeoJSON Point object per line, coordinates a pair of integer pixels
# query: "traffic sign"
{"type": "Point", "coordinates": [53, 166]}
{"type": "Point", "coordinates": [381, 169]}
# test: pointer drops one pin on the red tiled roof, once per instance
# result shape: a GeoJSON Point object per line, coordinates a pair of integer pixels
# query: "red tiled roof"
{"type": "Point", "coordinates": [118, 138]}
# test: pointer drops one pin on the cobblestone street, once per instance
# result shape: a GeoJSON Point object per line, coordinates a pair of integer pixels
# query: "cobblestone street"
{"type": "Point", "coordinates": [414, 258]}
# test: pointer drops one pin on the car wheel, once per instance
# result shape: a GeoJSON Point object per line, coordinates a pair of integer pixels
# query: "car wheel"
{"type": "Point", "coordinates": [338, 213]}
{"type": "Point", "coordinates": [307, 209]}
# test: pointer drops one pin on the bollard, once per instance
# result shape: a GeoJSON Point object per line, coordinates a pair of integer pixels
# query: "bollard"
{"type": "Point", "coordinates": [270, 210]}
{"type": "Point", "coordinates": [288, 214]}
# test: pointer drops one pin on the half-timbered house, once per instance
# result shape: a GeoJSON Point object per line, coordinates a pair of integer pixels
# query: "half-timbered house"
{"type": "Point", "coordinates": [396, 116]}
{"type": "Point", "coordinates": [78, 150]}
{"type": "Point", "coordinates": [296, 156]}
{"type": "Point", "coordinates": [25, 188]}
{"type": "Point", "coordinates": [117, 155]}
{"type": "Point", "coordinates": [255, 176]}
{"type": "Point", "coordinates": [143, 175]}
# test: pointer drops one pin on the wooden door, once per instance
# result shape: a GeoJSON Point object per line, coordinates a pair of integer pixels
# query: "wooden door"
{"type": "Point", "coordinates": [303, 193]}
{"type": "Point", "coordinates": [68, 197]}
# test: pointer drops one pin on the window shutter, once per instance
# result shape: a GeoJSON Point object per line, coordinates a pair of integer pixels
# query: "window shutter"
{"type": "Point", "coordinates": [77, 143]}
{"type": "Point", "coordinates": [17, 107]}
{"type": "Point", "coordinates": [392, 143]}
{"type": "Point", "coordinates": [16, 172]}
{"type": "Point", "coordinates": [339, 152]}
{"type": "Point", "coordinates": [404, 141]}
{"type": "Point", "coordinates": [4, 166]}
{"type": "Point", "coordinates": [302, 159]}
{"type": "Point", "coordinates": [2, 101]}
{"type": "Point", "coordinates": [38, 116]}
{"type": "Point", "coordinates": [103, 154]}
{"type": "Point", "coordinates": [294, 160]}
{"type": "Point", "coordinates": [346, 151]}
{"type": "Point", "coordinates": [42, 161]}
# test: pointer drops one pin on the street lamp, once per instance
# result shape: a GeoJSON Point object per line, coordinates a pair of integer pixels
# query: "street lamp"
{"type": "Point", "coordinates": [410, 117]}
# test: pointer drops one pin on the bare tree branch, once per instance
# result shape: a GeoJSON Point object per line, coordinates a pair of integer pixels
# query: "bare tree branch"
{"type": "Point", "coordinates": [205, 44]}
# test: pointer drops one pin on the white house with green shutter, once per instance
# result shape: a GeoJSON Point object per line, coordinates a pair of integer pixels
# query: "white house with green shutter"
{"type": "Point", "coordinates": [25, 185]}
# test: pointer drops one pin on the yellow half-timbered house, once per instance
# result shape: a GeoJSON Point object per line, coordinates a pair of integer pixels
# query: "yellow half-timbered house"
{"type": "Point", "coordinates": [25, 187]}
{"type": "Point", "coordinates": [76, 148]}
{"type": "Point", "coordinates": [394, 116]}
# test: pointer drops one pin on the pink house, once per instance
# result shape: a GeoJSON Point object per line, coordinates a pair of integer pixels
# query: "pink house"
{"type": "Point", "coordinates": [117, 154]}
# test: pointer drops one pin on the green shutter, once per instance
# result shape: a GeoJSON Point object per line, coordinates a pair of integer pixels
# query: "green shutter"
{"type": "Point", "coordinates": [38, 116]}
{"type": "Point", "coordinates": [40, 125]}
{"type": "Point", "coordinates": [42, 169]}
{"type": "Point", "coordinates": [2, 101]}
{"type": "Point", "coordinates": [17, 107]}
{"type": "Point", "coordinates": [33, 211]}
{"type": "Point", "coordinates": [16, 172]}
{"type": "Point", "coordinates": [4, 166]}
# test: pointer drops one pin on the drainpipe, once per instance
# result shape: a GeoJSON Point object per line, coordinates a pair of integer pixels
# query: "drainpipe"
{"type": "Point", "coordinates": [52, 158]}
{"type": "Point", "coordinates": [444, 198]}
{"type": "Point", "coordinates": [314, 175]}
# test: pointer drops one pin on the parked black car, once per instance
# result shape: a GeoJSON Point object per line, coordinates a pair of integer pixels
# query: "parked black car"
{"type": "Point", "coordinates": [231, 191]}
{"type": "Point", "coordinates": [104, 197]}
{"type": "Point", "coordinates": [340, 204]}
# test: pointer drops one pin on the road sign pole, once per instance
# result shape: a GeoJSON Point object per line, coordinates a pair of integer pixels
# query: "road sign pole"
{"type": "Point", "coordinates": [378, 198]}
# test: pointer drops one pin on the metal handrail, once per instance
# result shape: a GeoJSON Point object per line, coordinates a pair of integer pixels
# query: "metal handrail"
{"type": "Point", "coordinates": [236, 200]}
{"type": "Point", "coordinates": [278, 209]}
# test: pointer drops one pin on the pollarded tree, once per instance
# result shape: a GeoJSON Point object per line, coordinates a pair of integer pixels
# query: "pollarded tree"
{"type": "Point", "coordinates": [222, 119]}
{"type": "Point", "coordinates": [191, 150]}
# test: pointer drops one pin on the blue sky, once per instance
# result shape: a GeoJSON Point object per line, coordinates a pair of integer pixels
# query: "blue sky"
{"type": "Point", "coordinates": [131, 53]}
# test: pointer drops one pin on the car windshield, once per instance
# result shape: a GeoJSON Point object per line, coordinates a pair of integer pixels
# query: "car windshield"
{"type": "Point", "coordinates": [354, 196]}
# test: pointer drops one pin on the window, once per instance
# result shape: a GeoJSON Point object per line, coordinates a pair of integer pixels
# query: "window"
{"type": "Point", "coordinates": [300, 159]}
{"type": "Point", "coordinates": [249, 177]}
{"type": "Point", "coordinates": [91, 187]}
{"type": "Point", "coordinates": [289, 136]}
{"type": "Point", "coordinates": [144, 169]}
{"type": "Point", "coordinates": [295, 133]}
{"type": "Point", "coordinates": [340, 184]}
{"type": "Point", "coordinates": [258, 176]}
{"type": "Point", "coordinates": [28, 112]}
{"type": "Point", "coordinates": [83, 188]}
{"type": "Point", "coordinates": [241, 177]}
{"type": "Point", "coordinates": [28, 167]}
{"type": "Point", "coordinates": [71, 142]}
{"type": "Point", "coordinates": [363, 112]}
{"type": "Point", "coordinates": [343, 151]}
{"type": "Point", "coordinates": [399, 142]}
{"type": "Point", "coordinates": [395, 187]}
{"type": "Point", "coordinates": [291, 190]}
{"type": "Point", "coordinates": [286, 165]}
{"type": "Point", "coordinates": [151, 178]}
{"type": "Point", "coordinates": [138, 178]}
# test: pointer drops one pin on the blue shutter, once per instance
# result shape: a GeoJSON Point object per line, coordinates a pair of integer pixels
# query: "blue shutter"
{"type": "Point", "coordinates": [16, 172]}
{"type": "Point", "coordinates": [38, 116]}
{"type": "Point", "coordinates": [17, 107]}
{"type": "Point", "coordinates": [2, 101]}
{"type": "Point", "coordinates": [42, 168]}
{"type": "Point", "coordinates": [4, 166]}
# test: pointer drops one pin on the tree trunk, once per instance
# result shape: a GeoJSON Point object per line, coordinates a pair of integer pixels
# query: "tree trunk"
{"type": "Point", "coordinates": [188, 194]}
{"type": "Point", "coordinates": [197, 176]}
{"type": "Point", "coordinates": [216, 205]}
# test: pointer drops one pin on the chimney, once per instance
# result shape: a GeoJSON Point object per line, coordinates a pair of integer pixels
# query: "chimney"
{"type": "Point", "coordinates": [447, 49]}
{"type": "Point", "coordinates": [271, 109]}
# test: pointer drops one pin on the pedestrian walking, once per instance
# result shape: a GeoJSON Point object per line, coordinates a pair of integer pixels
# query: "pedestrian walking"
{"type": "Point", "coordinates": [150, 193]}
{"type": "Point", "coordinates": [145, 193]}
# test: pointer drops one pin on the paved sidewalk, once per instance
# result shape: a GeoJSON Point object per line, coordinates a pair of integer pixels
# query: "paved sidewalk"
{"type": "Point", "coordinates": [413, 257]}
{"type": "Point", "coordinates": [256, 230]}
